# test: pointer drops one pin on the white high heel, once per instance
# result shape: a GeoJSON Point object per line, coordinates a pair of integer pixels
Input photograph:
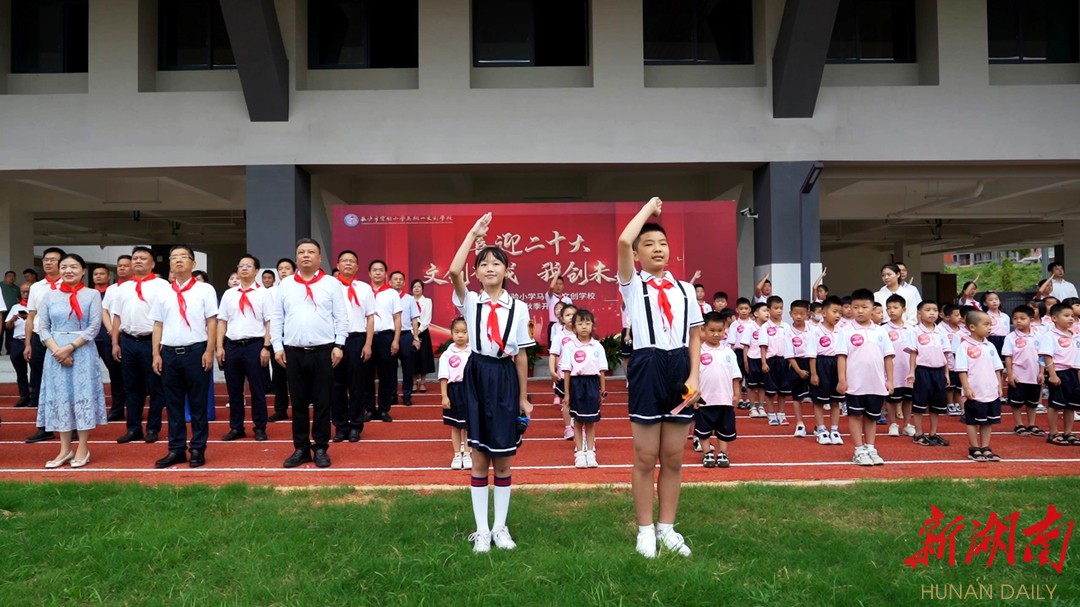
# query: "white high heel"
{"type": "Point", "coordinates": [56, 463]}
{"type": "Point", "coordinates": [79, 463]}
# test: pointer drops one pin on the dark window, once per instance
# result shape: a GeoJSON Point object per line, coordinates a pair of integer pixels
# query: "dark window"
{"type": "Point", "coordinates": [192, 36]}
{"type": "Point", "coordinates": [363, 34]}
{"type": "Point", "coordinates": [1032, 30]}
{"type": "Point", "coordinates": [49, 36]}
{"type": "Point", "coordinates": [698, 31]}
{"type": "Point", "coordinates": [530, 32]}
{"type": "Point", "coordinates": [873, 31]}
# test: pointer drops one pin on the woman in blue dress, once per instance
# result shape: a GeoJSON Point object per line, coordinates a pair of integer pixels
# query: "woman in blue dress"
{"type": "Point", "coordinates": [72, 395]}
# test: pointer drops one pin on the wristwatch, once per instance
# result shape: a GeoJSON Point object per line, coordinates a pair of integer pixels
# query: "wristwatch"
{"type": "Point", "coordinates": [268, 347]}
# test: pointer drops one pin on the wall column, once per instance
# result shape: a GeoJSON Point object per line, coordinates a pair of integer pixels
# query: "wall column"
{"type": "Point", "coordinates": [16, 233]}
{"type": "Point", "coordinates": [787, 231]}
{"type": "Point", "coordinates": [278, 211]}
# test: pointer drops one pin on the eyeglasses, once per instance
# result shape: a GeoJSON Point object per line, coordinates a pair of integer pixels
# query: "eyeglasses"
{"type": "Point", "coordinates": [245, 266]}
{"type": "Point", "coordinates": [179, 257]}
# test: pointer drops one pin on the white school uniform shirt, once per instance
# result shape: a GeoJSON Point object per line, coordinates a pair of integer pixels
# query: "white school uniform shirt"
{"type": "Point", "coordinates": [452, 363]}
{"type": "Point", "coordinates": [387, 303]}
{"type": "Point", "coordinates": [424, 304]}
{"type": "Point", "coordinates": [866, 349]}
{"type": "Point", "coordinates": [705, 308]}
{"type": "Point", "coordinates": [583, 359]}
{"type": "Point", "coordinates": [551, 299]}
{"type": "Point", "coordinates": [134, 312]}
{"type": "Point", "coordinates": [1023, 348]}
{"type": "Point", "coordinates": [1062, 289]}
{"type": "Point", "coordinates": [409, 311]}
{"type": "Point", "coordinates": [716, 372]}
{"type": "Point", "coordinates": [201, 303]}
{"type": "Point", "coordinates": [249, 322]}
{"type": "Point", "coordinates": [760, 299]}
{"type": "Point", "coordinates": [358, 314]}
{"type": "Point", "coordinates": [519, 332]}
{"type": "Point", "coordinates": [19, 328]}
{"type": "Point", "coordinates": [684, 310]}
{"type": "Point", "coordinates": [980, 360]}
{"type": "Point", "coordinates": [999, 323]}
{"type": "Point", "coordinates": [36, 298]}
{"type": "Point", "coordinates": [297, 321]}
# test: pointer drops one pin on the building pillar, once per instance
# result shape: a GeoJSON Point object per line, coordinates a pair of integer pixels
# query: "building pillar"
{"type": "Point", "coordinates": [16, 233]}
{"type": "Point", "coordinates": [444, 44]}
{"type": "Point", "coordinates": [787, 230]}
{"type": "Point", "coordinates": [278, 211]}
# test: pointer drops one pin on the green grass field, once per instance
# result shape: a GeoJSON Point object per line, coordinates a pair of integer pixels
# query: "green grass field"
{"type": "Point", "coordinates": [109, 544]}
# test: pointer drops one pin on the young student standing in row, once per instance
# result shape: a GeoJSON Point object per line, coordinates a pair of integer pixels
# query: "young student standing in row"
{"type": "Point", "coordinates": [451, 372]}
{"type": "Point", "coordinates": [999, 321]}
{"type": "Point", "coordinates": [1023, 372]}
{"type": "Point", "coordinates": [583, 363]}
{"type": "Point", "coordinates": [952, 321]}
{"type": "Point", "coordinates": [735, 332]}
{"type": "Point", "coordinates": [799, 348]}
{"type": "Point", "coordinates": [864, 363]}
{"type": "Point", "coordinates": [755, 380]}
{"type": "Point", "coordinates": [495, 375]}
{"type": "Point", "coordinates": [720, 377]}
{"type": "Point", "coordinates": [771, 339]}
{"type": "Point", "coordinates": [899, 402]}
{"type": "Point", "coordinates": [1058, 347]}
{"type": "Point", "coordinates": [928, 357]}
{"type": "Point", "coordinates": [979, 367]}
{"type": "Point", "coordinates": [823, 373]}
{"type": "Point", "coordinates": [559, 338]}
{"type": "Point", "coordinates": [719, 301]}
{"type": "Point", "coordinates": [665, 363]}
{"type": "Point", "coordinates": [699, 293]}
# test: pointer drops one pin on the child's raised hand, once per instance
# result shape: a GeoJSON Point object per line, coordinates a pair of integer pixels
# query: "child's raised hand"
{"type": "Point", "coordinates": [480, 228]}
{"type": "Point", "coordinates": [655, 205]}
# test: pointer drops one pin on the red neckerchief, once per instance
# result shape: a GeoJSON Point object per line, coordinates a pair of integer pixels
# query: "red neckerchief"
{"type": "Point", "coordinates": [493, 326]}
{"type": "Point", "coordinates": [76, 309]}
{"type": "Point", "coordinates": [353, 297]}
{"type": "Point", "coordinates": [662, 301]}
{"type": "Point", "coordinates": [101, 289]}
{"type": "Point", "coordinates": [384, 287]}
{"type": "Point", "coordinates": [245, 301]}
{"type": "Point", "coordinates": [180, 301]}
{"type": "Point", "coordinates": [53, 283]}
{"type": "Point", "coordinates": [307, 284]}
{"type": "Point", "coordinates": [23, 302]}
{"type": "Point", "coordinates": [138, 284]}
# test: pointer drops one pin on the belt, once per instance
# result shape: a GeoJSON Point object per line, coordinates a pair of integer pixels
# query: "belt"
{"type": "Point", "coordinates": [310, 348]}
{"type": "Point", "coordinates": [358, 334]}
{"type": "Point", "coordinates": [138, 337]}
{"type": "Point", "coordinates": [388, 331]}
{"type": "Point", "coordinates": [182, 350]}
{"type": "Point", "coordinates": [242, 342]}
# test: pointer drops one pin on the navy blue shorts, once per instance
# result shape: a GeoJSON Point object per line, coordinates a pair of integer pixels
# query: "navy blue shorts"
{"type": "Point", "coordinates": [716, 421]}
{"type": "Point", "coordinates": [900, 395]}
{"type": "Point", "coordinates": [753, 376]}
{"type": "Point", "coordinates": [455, 415]}
{"type": "Point", "coordinates": [982, 414]}
{"type": "Point", "coordinates": [954, 382]}
{"type": "Point", "coordinates": [825, 392]}
{"type": "Point", "coordinates": [1065, 395]}
{"type": "Point", "coordinates": [775, 379]}
{"type": "Point", "coordinates": [585, 398]}
{"type": "Point", "coordinates": [797, 387]}
{"type": "Point", "coordinates": [865, 404]}
{"type": "Point", "coordinates": [656, 379]}
{"type": "Point", "coordinates": [558, 389]}
{"type": "Point", "coordinates": [999, 343]}
{"type": "Point", "coordinates": [491, 404]}
{"type": "Point", "coordinates": [929, 391]}
{"type": "Point", "coordinates": [1025, 395]}
{"type": "Point", "coordinates": [740, 362]}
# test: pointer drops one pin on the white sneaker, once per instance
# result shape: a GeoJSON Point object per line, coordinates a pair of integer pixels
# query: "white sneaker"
{"type": "Point", "coordinates": [822, 437]}
{"type": "Point", "coordinates": [783, 420]}
{"type": "Point", "coordinates": [834, 438]}
{"type": "Point", "coordinates": [456, 463]}
{"type": "Point", "coordinates": [874, 457]}
{"type": "Point", "coordinates": [481, 541]}
{"type": "Point", "coordinates": [826, 407]}
{"type": "Point", "coordinates": [466, 461]}
{"type": "Point", "coordinates": [862, 457]}
{"type": "Point", "coordinates": [774, 421]}
{"type": "Point", "coordinates": [590, 459]}
{"type": "Point", "coordinates": [673, 541]}
{"type": "Point", "coordinates": [800, 430]}
{"type": "Point", "coordinates": [843, 409]}
{"type": "Point", "coordinates": [697, 445]}
{"type": "Point", "coordinates": [502, 539]}
{"type": "Point", "coordinates": [1040, 408]}
{"type": "Point", "coordinates": [894, 429]}
{"type": "Point", "coordinates": [1076, 417]}
{"type": "Point", "coordinates": [909, 430]}
{"type": "Point", "coordinates": [579, 460]}
{"type": "Point", "coordinates": [646, 543]}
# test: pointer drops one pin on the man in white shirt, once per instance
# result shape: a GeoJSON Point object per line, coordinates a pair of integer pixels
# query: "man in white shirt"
{"type": "Point", "coordinates": [355, 372]}
{"type": "Point", "coordinates": [384, 349]}
{"type": "Point", "coordinates": [1058, 287]}
{"type": "Point", "coordinates": [308, 327]}
{"type": "Point", "coordinates": [285, 268]}
{"type": "Point", "coordinates": [34, 350]}
{"type": "Point", "coordinates": [103, 341]}
{"type": "Point", "coordinates": [409, 341]}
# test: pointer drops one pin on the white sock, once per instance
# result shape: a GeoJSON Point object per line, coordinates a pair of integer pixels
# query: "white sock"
{"type": "Point", "coordinates": [645, 529]}
{"type": "Point", "coordinates": [662, 528]}
{"type": "Point", "coordinates": [835, 428]}
{"type": "Point", "coordinates": [502, 501]}
{"type": "Point", "coordinates": [480, 503]}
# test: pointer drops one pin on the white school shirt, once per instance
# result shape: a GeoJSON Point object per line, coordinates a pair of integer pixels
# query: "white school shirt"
{"type": "Point", "coordinates": [999, 323]}
{"type": "Point", "coordinates": [249, 322]}
{"type": "Point", "coordinates": [387, 303]}
{"type": "Point", "coordinates": [716, 372]}
{"type": "Point", "coordinates": [980, 360]}
{"type": "Point", "coordinates": [900, 336]}
{"type": "Point", "coordinates": [519, 332]}
{"type": "Point", "coordinates": [19, 328]}
{"type": "Point", "coordinates": [801, 344]}
{"type": "Point", "coordinates": [36, 298]}
{"type": "Point", "coordinates": [452, 363]}
{"type": "Point", "coordinates": [705, 308]}
{"type": "Point", "coordinates": [583, 359]}
{"type": "Point", "coordinates": [1023, 348]}
{"type": "Point", "coordinates": [1062, 289]}
{"type": "Point", "coordinates": [424, 304]}
{"type": "Point", "coordinates": [134, 312]}
{"type": "Point", "coordinates": [297, 321]}
{"type": "Point", "coordinates": [867, 349]}
{"type": "Point", "coordinates": [201, 303]}
{"type": "Point", "coordinates": [409, 311]}
{"type": "Point", "coordinates": [551, 299]}
{"type": "Point", "coordinates": [772, 336]}
{"type": "Point", "coordinates": [358, 314]}
{"type": "Point", "coordinates": [685, 313]}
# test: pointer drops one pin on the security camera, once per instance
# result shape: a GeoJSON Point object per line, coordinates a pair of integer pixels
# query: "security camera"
{"type": "Point", "coordinates": [748, 213]}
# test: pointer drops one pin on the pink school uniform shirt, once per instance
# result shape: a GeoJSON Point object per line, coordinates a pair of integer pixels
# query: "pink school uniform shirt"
{"type": "Point", "coordinates": [801, 344]}
{"type": "Point", "coordinates": [772, 335]}
{"type": "Point", "coordinates": [866, 349]}
{"type": "Point", "coordinates": [717, 372]}
{"type": "Point", "coordinates": [900, 337]}
{"type": "Point", "coordinates": [1061, 347]}
{"type": "Point", "coordinates": [999, 323]}
{"type": "Point", "coordinates": [452, 363]}
{"type": "Point", "coordinates": [826, 340]}
{"type": "Point", "coordinates": [979, 359]}
{"type": "Point", "coordinates": [750, 341]}
{"type": "Point", "coordinates": [1023, 349]}
{"type": "Point", "coordinates": [583, 358]}
{"type": "Point", "coordinates": [929, 345]}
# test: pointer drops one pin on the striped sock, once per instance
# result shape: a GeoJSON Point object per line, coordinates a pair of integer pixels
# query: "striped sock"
{"type": "Point", "coordinates": [502, 501]}
{"type": "Point", "coordinates": [479, 492]}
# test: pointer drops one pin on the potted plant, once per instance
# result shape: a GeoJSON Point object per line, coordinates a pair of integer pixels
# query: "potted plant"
{"type": "Point", "coordinates": [613, 350]}
{"type": "Point", "coordinates": [533, 353]}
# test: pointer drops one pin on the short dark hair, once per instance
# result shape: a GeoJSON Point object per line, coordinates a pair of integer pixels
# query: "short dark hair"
{"type": "Point", "coordinates": [645, 229]}
{"type": "Point", "coordinates": [396, 272]}
{"type": "Point", "coordinates": [12, 272]}
{"type": "Point", "coordinates": [742, 301]}
{"type": "Point", "coordinates": [29, 271]}
{"type": "Point", "coordinates": [965, 309]}
{"type": "Point", "coordinates": [303, 241]}
{"type": "Point", "coordinates": [877, 304]}
{"type": "Point", "coordinates": [773, 300]}
{"type": "Point", "coordinates": [924, 303]}
{"type": "Point", "coordinates": [890, 266]}
{"type": "Point", "coordinates": [832, 300]}
{"type": "Point", "coordinates": [258, 264]}
{"type": "Point", "coordinates": [698, 285]}
{"type": "Point", "coordinates": [800, 304]}
{"type": "Point", "coordinates": [270, 272]}
{"type": "Point", "coordinates": [897, 299]}
{"type": "Point", "coordinates": [1058, 309]}
{"type": "Point", "coordinates": [123, 257]}
{"type": "Point", "coordinates": [1023, 309]}
{"type": "Point", "coordinates": [56, 250]}
{"type": "Point", "coordinates": [815, 305]}
{"type": "Point", "coordinates": [948, 309]}
{"type": "Point", "coordinates": [845, 300]}
{"type": "Point", "coordinates": [1071, 301]}
{"type": "Point", "coordinates": [759, 305]}
{"type": "Point", "coordinates": [458, 319]}
{"type": "Point", "coordinates": [147, 250]}
{"type": "Point", "coordinates": [861, 295]}
{"type": "Point", "coordinates": [583, 314]}
{"type": "Point", "coordinates": [720, 295]}
{"type": "Point", "coordinates": [1053, 264]}
{"type": "Point", "coordinates": [200, 273]}
{"type": "Point", "coordinates": [713, 317]}
{"type": "Point", "coordinates": [823, 286]}
{"type": "Point", "coordinates": [492, 251]}
{"type": "Point", "coordinates": [292, 264]}
{"type": "Point", "coordinates": [177, 247]}
{"type": "Point", "coordinates": [375, 261]}
{"type": "Point", "coordinates": [348, 252]}
{"type": "Point", "coordinates": [416, 281]}
{"type": "Point", "coordinates": [725, 315]}
{"type": "Point", "coordinates": [77, 258]}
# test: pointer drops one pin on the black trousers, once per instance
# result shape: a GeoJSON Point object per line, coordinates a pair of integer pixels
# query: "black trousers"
{"type": "Point", "coordinates": [280, 384]}
{"type": "Point", "coordinates": [242, 362]}
{"type": "Point", "coordinates": [386, 367]}
{"type": "Point", "coordinates": [352, 377]}
{"type": "Point", "coordinates": [182, 375]}
{"type": "Point", "coordinates": [116, 375]}
{"type": "Point", "coordinates": [140, 381]}
{"type": "Point", "coordinates": [37, 363]}
{"type": "Point", "coordinates": [18, 363]}
{"type": "Point", "coordinates": [311, 377]}
{"type": "Point", "coordinates": [405, 356]}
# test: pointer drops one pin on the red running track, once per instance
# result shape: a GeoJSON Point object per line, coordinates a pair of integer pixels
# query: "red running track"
{"type": "Point", "coordinates": [415, 450]}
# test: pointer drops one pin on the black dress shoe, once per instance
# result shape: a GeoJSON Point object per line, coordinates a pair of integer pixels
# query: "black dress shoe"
{"type": "Point", "coordinates": [173, 458]}
{"type": "Point", "coordinates": [116, 416]}
{"type": "Point", "coordinates": [322, 460]}
{"type": "Point", "coordinates": [23, 402]}
{"type": "Point", "coordinates": [407, 402]}
{"type": "Point", "coordinates": [39, 436]}
{"type": "Point", "coordinates": [300, 456]}
{"type": "Point", "coordinates": [260, 434]}
{"type": "Point", "coordinates": [151, 437]}
{"type": "Point", "coordinates": [278, 417]}
{"type": "Point", "coordinates": [385, 416]}
{"type": "Point", "coordinates": [198, 458]}
{"type": "Point", "coordinates": [354, 435]}
{"type": "Point", "coordinates": [368, 416]}
{"type": "Point", "coordinates": [233, 435]}
{"type": "Point", "coordinates": [130, 436]}
{"type": "Point", "coordinates": [340, 435]}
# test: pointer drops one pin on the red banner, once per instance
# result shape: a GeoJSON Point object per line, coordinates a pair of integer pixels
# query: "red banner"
{"type": "Point", "coordinates": [577, 240]}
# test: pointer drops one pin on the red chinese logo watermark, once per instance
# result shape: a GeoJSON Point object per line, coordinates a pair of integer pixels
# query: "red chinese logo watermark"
{"type": "Point", "coordinates": [993, 538]}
